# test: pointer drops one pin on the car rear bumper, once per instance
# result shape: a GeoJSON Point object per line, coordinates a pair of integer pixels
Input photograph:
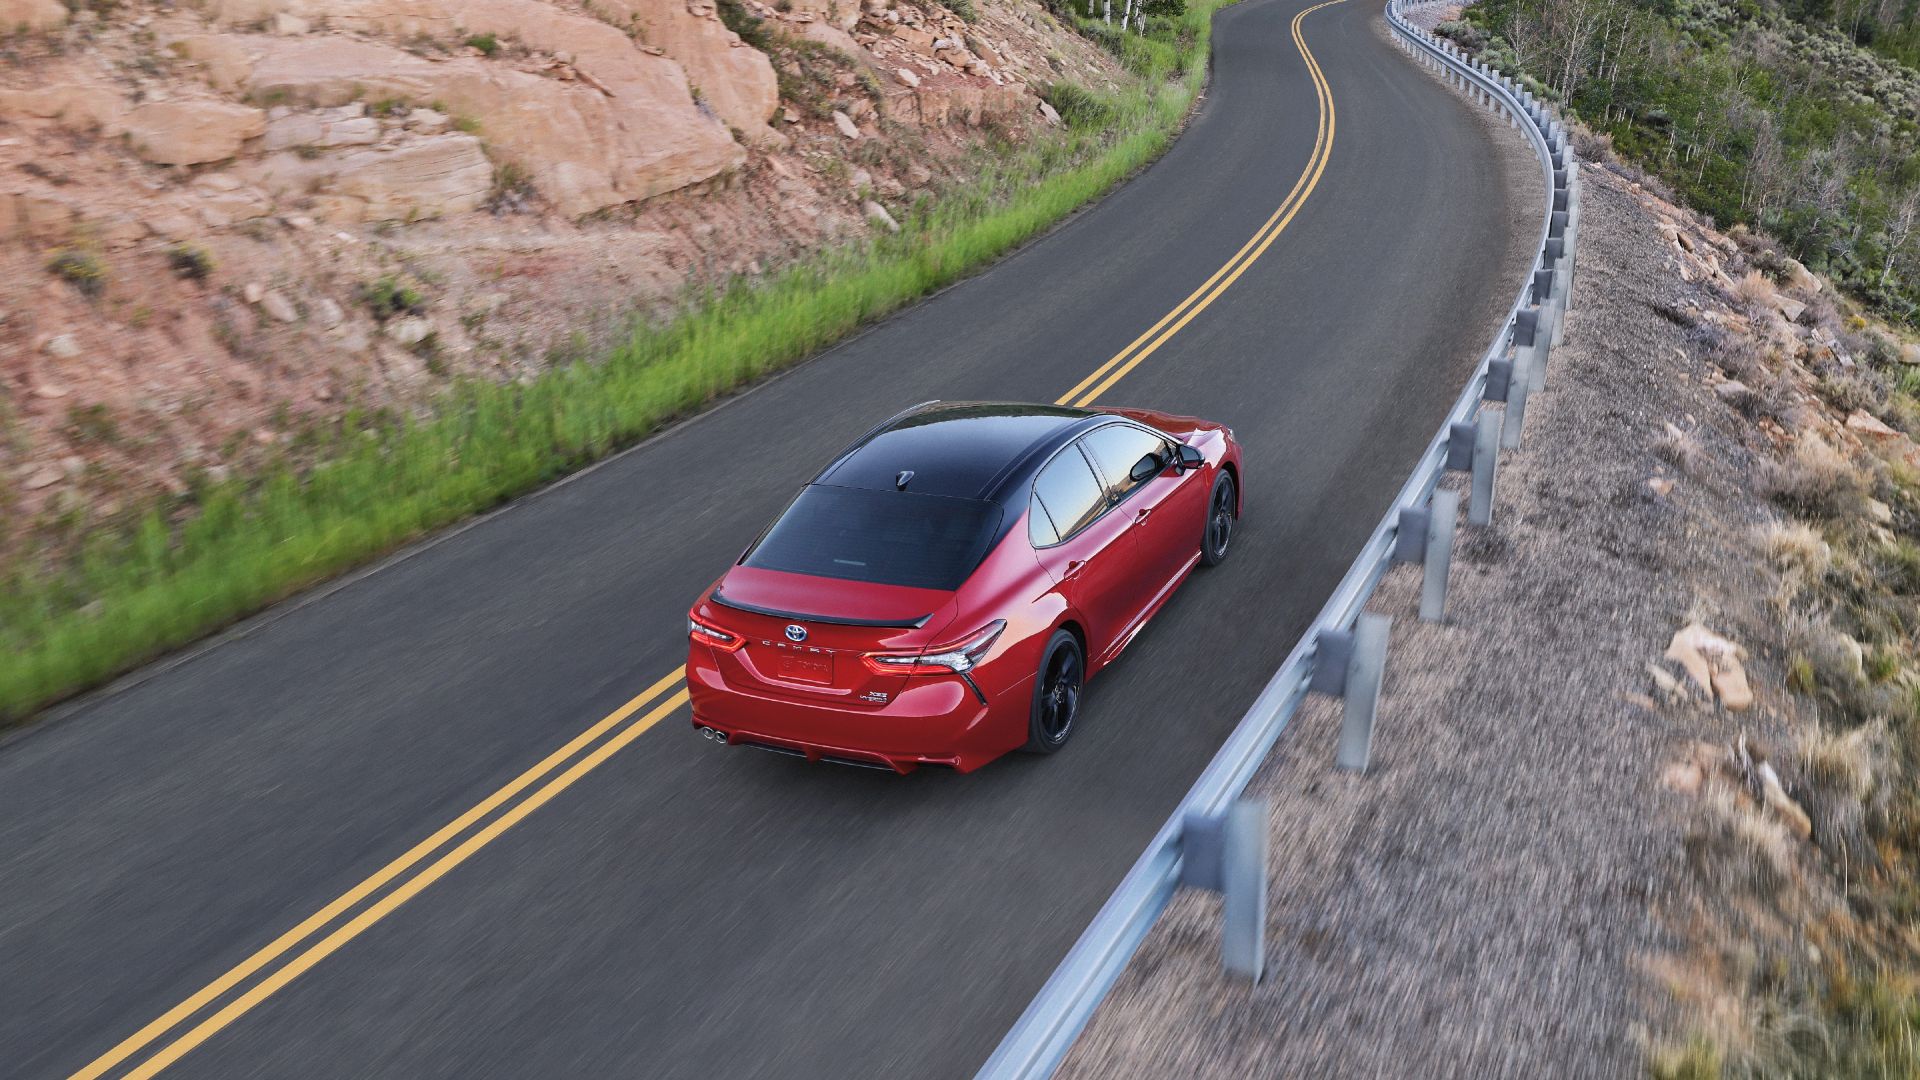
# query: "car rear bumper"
{"type": "Point", "coordinates": [935, 721]}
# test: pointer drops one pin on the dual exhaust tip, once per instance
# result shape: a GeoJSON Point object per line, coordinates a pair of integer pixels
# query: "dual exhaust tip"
{"type": "Point", "coordinates": [718, 738]}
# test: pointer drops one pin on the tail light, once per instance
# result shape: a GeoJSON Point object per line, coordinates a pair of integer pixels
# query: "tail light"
{"type": "Point", "coordinates": [955, 659]}
{"type": "Point", "coordinates": [709, 634]}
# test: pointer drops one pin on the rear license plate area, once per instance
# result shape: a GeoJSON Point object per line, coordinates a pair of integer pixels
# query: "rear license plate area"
{"type": "Point", "coordinates": [805, 667]}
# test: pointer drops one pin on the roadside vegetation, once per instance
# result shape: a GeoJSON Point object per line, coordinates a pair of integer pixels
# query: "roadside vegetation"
{"type": "Point", "coordinates": [1804, 838]}
{"type": "Point", "coordinates": [101, 597]}
{"type": "Point", "coordinates": [1799, 118]}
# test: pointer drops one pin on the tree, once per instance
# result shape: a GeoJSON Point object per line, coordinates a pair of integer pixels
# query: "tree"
{"type": "Point", "coordinates": [1903, 232]}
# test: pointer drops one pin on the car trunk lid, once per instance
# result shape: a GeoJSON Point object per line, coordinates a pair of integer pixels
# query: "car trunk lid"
{"type": "Point", "coordinates": [805, 636]}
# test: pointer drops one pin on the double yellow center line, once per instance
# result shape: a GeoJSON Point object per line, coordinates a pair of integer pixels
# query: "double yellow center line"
{"type": "Point", "coordinates": [408, 875]}
{"type": "Point", "coordinates": [1089, 389]}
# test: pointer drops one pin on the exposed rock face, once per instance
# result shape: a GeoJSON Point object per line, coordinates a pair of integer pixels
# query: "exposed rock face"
{"type": "Point", "coordinates": [32, 14]}
{"type": "Point", "coordinates": [227, 161]}
{"type": "Point", "coordinates": [586, 148]}
{"type": "Point", "coordinates": [735, 80]}
{"type": "Point", "coordinates": [444, 174]}
{"type": "Point", "coordinates": [79, 108]}
{"type": "Point", "coordinates": [322, 128]}
{"type": "Point", "coordinates": [192, 132]}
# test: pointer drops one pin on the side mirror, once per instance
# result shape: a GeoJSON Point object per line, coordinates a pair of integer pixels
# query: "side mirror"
{"type": "Point", "coordinates": [1190, 458]}
{"type": "Point", "coordinates": [1145, 469]}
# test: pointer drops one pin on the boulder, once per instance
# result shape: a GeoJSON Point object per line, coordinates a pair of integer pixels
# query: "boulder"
{"type": "Point", "coordinates": [1861, 422]}
{"type": "Point", "coordinates": [1799, 277]}
{"type": "Point", "coordinates": [736, 79]}
{"type": "Point", "coordinates": [1910, 354]}
{"type": "Point", "coordinates": [192, 132]}
{"type": "Point", "coordinates": [348, 126]}
{"type": "Point", "coordinates": [37, 217]}
{"type": "Point", "coordinates": [1713, 663]}
{"type": "Point", "coordinates": [879, 216]}
{"type": "Point", "coordinates": [277, 305]}
{"type": "Point", "coordinates": [836, 13]}
{"type": "Point", "coordinates": [32, 14]}
{"type": "Point", "coordinates": [845, 124]}
{"type": "Point", "coordinates": [80, 108]}
{"type": "Point", "coordinates": [431, 177]}
{"type": "Point", "coordinates": [411, 330]}
{"type": "Point", "coordinates": [584, 148]}
{"type": "Point", "coordinates": [428, 122]}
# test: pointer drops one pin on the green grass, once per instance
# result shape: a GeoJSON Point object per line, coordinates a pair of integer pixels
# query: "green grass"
{"type": "Point", "coordinates": [118, 595]}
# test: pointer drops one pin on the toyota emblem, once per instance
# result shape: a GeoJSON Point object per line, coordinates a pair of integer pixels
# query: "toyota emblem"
{"type": "Point", "coordinates": [796, 632]}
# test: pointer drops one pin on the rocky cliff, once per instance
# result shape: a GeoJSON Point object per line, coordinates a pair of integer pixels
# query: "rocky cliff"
{"type": "Point", "coordinates": [221, 220]}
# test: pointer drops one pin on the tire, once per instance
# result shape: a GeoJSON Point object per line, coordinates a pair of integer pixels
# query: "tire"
{"type": "Point", "coordinates": [1058, 685]}
{"type": "Point", "coordinates": [1223, 513]}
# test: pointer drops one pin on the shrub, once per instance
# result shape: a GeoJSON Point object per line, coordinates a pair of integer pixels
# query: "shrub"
{"type": "Point", "coordinates": [1680, 448]}
{"type": "Point", "coordinates": [92, 423]}
{"type": "Point", "coordinates": [749, 26]}
{"type": "Point", "coordinates": [81, 269]}
{"type": "Point", "coordinates": [391, 295]}
{"type": "Point", "coordinates": [1815, 480]}
{"type": "Point", "coordinates": [512, 188]}
{"type": "Point", "coordinates": [1079, 108]}
{"type": "Point", "coordinates": [487, 43]}
{"type": "Point", "coordinates": [1851, 390]}
{"type": "Point", "coordinates": [190, 261]}
{"type": "Point", "coordinates": [1798, 552]}
{"type": "Point", "coordinates": [1755, 291]}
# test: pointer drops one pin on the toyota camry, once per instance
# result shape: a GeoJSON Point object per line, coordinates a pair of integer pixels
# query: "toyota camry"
{"type": "Point", "coordinates": [942, 591]}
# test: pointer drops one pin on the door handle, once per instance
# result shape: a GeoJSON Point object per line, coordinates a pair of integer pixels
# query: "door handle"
{"type": "Point", "coordinates": [1073, 568]}
{"type": "Point", "coordinates": [1142, 515]}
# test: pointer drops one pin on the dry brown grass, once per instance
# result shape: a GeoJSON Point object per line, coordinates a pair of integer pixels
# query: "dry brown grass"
{"type": "Point", "coordinates": [1681, 449]}
{"type": "Point", "coordinates": [1755, 291]}
{"type": "Point", "coordinates": [1816, 480]}
{"type": "Point", "coordinates": [1797, 552]}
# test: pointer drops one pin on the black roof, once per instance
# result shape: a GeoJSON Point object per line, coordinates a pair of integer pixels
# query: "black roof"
{"type": "Point", "coordinates": [986, 450]}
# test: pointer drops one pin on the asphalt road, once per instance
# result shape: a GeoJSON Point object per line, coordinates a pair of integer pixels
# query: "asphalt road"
{"type": "Point", "coordinates": [683, 910]}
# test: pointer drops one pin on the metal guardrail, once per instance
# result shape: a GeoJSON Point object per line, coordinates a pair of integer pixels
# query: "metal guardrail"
{"type": "Point", "coordinates": [1040, 1040]}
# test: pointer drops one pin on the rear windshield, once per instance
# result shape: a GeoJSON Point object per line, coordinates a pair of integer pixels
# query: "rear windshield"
{"type": "Point", "coordinates": [884, 537]}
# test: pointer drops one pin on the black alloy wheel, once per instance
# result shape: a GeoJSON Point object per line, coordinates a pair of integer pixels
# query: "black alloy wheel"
{"type": "Point", "coordinates": [1056, 694]}
{"type": "Point", "coordinates": [1223, 512]}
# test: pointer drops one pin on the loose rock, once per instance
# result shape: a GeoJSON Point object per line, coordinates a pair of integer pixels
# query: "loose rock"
{"type": "Point", "coordinates": [277, 305]}
{"type": "Point", "coordinates": [879, 216]}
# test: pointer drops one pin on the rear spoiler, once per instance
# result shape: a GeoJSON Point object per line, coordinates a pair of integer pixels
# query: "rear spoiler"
{"type": "Point", "coordinates": [836, 620]}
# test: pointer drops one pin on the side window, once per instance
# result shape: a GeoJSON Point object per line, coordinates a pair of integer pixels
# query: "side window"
{"type": "Point", "coordinates": [1117, 448]}
{"type": "Point", "coordinates": [1067, 491]}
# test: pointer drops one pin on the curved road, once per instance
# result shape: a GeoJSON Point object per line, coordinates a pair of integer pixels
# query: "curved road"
{"type": "Point", "coordinates": [193, 867]}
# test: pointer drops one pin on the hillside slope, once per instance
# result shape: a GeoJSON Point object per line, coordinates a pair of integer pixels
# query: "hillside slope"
{"type": "Point", "coordinates": [221, 224]}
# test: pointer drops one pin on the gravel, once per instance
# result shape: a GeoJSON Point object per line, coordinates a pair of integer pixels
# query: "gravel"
{"type": "Point", "coordinates": [1482, 902]}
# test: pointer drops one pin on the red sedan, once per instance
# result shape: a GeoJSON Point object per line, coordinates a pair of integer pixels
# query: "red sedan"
{"type": "Point", "coordinates": [941, 592]}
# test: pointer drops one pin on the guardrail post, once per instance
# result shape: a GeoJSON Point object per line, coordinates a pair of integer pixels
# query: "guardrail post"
{"type": "Point", "coordinates": [1441, 519]}
{"type": "Point", "coordinates": [1499, 380]}
{"type": "Point", "coordinates": [1227, 854]}
{"type": "Point", "coordinates": [1486, 450]}
{"type": "Point", "coordinates": [1514, 419]}
{"type": "Point", "coordinates": [1365, 670]}
{"type": "Point", "coordinates": [1547, 293]}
